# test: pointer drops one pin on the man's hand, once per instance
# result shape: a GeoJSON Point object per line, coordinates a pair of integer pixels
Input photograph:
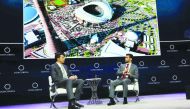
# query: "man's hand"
{"type": "Point", "coordinates": [74, 77]}
{"type": "Point", "coordinates": [125, 71]}
{"type": "Point", "coordinates": [128, 73]}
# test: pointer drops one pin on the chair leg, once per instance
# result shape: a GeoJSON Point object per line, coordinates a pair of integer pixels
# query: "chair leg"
{"type": "Point", "coordinates": [137, 96]}
{"type": "Point", "coordinates": [137, 99]}
{"type": "Point", "coordinates": [54, 106]}
{"type": "Point", "coordinates": [116, 97]}
{"type": "Point", "coordinates": [52, 102]}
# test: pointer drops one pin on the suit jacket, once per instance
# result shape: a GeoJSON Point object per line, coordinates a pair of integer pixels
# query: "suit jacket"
{"type": "Point", "coordinates": [56, 73]}
{"type": "Point", "coordinates": [133, 71]}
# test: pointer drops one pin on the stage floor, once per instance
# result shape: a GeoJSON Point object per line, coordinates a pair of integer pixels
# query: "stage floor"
{"type": "Point", "coordinates": [164, 101]}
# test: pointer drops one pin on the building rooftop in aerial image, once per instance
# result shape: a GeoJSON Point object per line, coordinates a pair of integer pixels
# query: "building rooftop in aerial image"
{"type": "Point", "coordinates": [91, 28]}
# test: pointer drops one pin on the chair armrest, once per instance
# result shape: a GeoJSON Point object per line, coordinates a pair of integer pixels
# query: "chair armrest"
{"type": "Point", "coordinates": [52, 87]}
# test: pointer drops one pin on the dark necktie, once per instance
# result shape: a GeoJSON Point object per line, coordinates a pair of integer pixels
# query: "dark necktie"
{"type": "Point", "coordinates": [125, 73]}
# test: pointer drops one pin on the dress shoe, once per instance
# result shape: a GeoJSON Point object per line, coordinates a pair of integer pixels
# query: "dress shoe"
{"type": "Point", "coordinates": [112, 102]}
{"type": "Point", "coordinates": [72, 105]}
{"type": "Point", "coordinates": [78, 104]}
{"type": "Point", "coordinates": [125, 100]}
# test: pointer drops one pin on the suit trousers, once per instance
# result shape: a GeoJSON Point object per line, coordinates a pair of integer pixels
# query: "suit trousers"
{"type": "Point", "coordinates": [69, 84]}
{"type": "Point", "coordinates": [117, 82]}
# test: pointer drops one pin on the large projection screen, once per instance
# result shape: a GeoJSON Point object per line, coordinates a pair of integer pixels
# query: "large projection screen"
{"type": "Point", "coordinates": [90, 28]}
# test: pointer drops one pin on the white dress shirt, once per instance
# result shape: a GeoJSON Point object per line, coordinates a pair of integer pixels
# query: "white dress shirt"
{"type": "Point", "coordinates": [63, 70]}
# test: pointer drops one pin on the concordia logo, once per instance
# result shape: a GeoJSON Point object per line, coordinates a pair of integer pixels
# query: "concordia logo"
{"type": "Point", "coordinates": [119, 64]}
{"type": "Point", "coordinates": [21, 67]}
{"type": "Point", "coordinates": [34, 85]}
{"type": "Point", "coordinates": [47, 66]}
{"type": "Point", "coordinates": [96, 65]}
{"type": "Point", "coordinates": [72, 66]}
{"type": "Point", "coordinates": [7, 50]}
{"type": "Point", "coordinates": [153, 79]}
{"type": "Point", "coordinates": [174, 77]}
{"type": "Point", "coordinates": [183, 61]}
{"type": "Point", "coordinates": [7, 86]}
{"type": "Point", "coordinates": [141, 63]}
{"type": "Point", "coordinates": [163, 62]}
{"type": "Point", "coordinates": [172, 47]}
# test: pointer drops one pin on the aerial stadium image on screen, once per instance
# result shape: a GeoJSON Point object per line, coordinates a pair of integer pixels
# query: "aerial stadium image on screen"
{"type": "Point", "coordinates": [90, 28]}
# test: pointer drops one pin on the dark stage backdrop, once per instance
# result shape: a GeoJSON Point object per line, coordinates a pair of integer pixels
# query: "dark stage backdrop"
{"type": "Point", "coordinates": [28, 79]}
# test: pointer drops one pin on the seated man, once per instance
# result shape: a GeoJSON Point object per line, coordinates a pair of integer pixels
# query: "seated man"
{"type": "Point", "coordinates": [127, 73]}
{"type": "Point", "coordinates": [63, 78]}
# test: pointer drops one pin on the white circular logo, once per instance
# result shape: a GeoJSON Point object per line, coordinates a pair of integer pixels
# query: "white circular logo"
{"type": "Point", "coordinates": [47, 66]}
{"type": "Point", "coordinates": [172, 47]}
{"type": "Point", "coordinates": [21, 67]}
{"type": "Point", "coordinates": [7, 86]}
{"type": "Point", "coordinates": [96, 65]}
{"type": "Point", "coordinates": [85, 83]}
{"type": "Point", "coordinates": [108, 81]}
{"type": "Point", "coordinates": [163, 62]}
{"type": "Point", "coordinates": [72, 66]}
{"type": "Point", "coordinates": [7, 50]}
{"type": "Point", "coordinates": [174, 77]}
{"type": "Point", "coordinates": [183, 61]}
{"type": "Point", "coordinates": [119, 64]}
{"type": "Point", "coordinates": [34, 85]}
{"type": "Point", "coordinates": [141, 63]}
{"type": "Point", "coordinates": [153, 79]}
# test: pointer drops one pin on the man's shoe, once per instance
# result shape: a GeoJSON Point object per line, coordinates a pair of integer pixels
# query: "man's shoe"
{"type": "Point", "coordinates": [125, 101]}
{"type": "Point", "coordinates": [73, 107]}
{"type": "Point", "coordinates": [78, 104]}
{"type": "Point", "coordinates": [112, 102]}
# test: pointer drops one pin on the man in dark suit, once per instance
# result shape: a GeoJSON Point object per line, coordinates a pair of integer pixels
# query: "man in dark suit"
{"type": "Point", "coordinates": [126, 74]}
{"type": "Point", "coordinates": [63, 78]}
